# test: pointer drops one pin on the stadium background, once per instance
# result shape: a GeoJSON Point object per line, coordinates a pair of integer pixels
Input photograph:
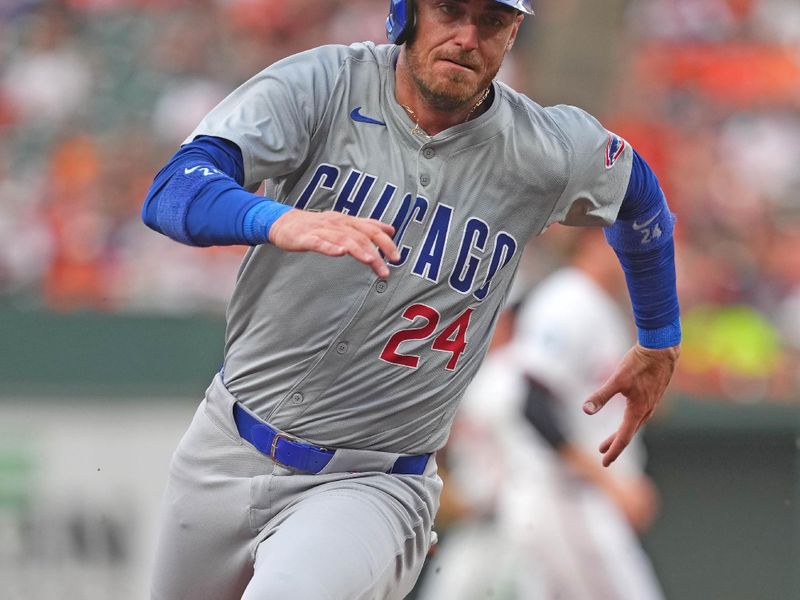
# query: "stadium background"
{"type": "Point", "coordinates": [109, 333]}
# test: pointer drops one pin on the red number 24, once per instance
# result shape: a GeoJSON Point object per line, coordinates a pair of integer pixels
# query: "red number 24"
{"type": "Point", "coordinates": [452, 339]}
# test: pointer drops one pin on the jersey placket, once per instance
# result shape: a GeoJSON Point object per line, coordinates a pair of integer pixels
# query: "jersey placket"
{"type": "Point", "coordinates": [339, 354]}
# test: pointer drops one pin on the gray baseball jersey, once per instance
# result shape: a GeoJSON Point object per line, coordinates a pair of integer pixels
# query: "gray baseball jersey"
{"type": "Point", "coordinates": [321, 348]}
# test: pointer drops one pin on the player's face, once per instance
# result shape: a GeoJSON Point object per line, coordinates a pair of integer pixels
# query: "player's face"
{"type": "Point", "coordinates": [457, 48]}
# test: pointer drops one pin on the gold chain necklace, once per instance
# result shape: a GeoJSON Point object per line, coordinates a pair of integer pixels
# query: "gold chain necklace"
{"type": "Point", "coordinates": [417, 130]}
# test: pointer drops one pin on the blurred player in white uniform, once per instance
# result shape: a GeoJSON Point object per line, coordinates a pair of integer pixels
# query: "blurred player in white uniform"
{"type": "Point", "coordinates": [579, 520]}
{"type": "Point", "coordinates": [565, 528]}
{"type": "Point", "coordinates": [473, 561]}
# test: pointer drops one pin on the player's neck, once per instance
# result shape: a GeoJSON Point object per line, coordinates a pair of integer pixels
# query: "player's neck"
{"type": "Point", "coordinates": [430, 118]}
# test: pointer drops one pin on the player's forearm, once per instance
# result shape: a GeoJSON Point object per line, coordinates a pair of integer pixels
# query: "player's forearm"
{"type": "Point", "coordinates": [197, 199]}
{"type": "Point", "coordinates": [642, 239]}
{"type": "Point", "coordinates": [634, 496]}
{"type": "Point", "coordinates": [585, 466]}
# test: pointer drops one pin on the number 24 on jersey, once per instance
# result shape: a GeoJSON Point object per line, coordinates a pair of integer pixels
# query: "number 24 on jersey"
{"type": "Point", "coordinates": [452, 339]}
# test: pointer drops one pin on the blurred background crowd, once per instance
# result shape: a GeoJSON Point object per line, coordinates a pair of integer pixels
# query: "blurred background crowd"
{"type": "Point", "coordinates": [95, 95]}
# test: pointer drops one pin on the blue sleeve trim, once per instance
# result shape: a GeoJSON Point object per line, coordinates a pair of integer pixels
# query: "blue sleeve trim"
{"type": "Point", "coordinates": [663, 337]}
{"type": "Point", "coordinates": [198, 199]}
{"type": "Point", "coordinates": [642, 238]}
{"type": "Point", "coordinates": [260, 218]}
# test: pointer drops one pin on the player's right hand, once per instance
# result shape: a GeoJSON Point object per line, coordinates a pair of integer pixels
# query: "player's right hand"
{"type": "Point", "coordinates": [335, 234]}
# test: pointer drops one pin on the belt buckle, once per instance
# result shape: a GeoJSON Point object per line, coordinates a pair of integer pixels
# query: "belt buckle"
{"type": "Point", "coordinates": [274, 446]}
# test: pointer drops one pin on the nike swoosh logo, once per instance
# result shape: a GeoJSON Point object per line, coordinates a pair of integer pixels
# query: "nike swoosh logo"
{"type": "Point", "coordinates": [204, 170]}
{"type": "Point", "coordinates": [357, 116]}
{"type": "Point", "coordinates": [638, 226]}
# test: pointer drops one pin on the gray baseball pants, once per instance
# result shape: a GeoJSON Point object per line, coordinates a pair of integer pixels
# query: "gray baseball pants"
{"type": "Point", "coordinates": [236, 525]}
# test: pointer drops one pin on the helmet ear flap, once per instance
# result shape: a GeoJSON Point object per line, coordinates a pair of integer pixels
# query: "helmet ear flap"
{"type": "Point", "coordinates": [400, 22]}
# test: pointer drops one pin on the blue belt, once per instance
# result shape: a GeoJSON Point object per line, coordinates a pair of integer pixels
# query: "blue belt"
{"type": "Point", "coordinates": [291, 452]}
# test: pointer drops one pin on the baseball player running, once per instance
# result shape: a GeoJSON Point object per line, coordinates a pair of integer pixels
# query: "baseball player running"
{"type": "Point", "coordinates": [404, 183]}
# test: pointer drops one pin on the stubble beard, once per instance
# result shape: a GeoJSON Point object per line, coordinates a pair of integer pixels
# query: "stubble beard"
{"type": "Point", "coordinates": [445, 94]}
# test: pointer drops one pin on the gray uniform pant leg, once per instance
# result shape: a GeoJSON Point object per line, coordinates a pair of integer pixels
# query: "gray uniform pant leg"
{"type": "Point", "coordinates": [205, 534]}
{"type": "Point", "coordinates": [340, 544]}
{"type": "Point", "coordinates": [237, 525]}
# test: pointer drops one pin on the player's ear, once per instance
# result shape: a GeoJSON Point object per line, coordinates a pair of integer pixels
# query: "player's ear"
{"type": "Point", "coordinates": [514, 31]}
{"type": "Point", "coordinates": [510, 43]}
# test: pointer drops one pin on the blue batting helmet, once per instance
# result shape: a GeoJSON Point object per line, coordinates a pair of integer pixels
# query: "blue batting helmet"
{"type": "Point", "coordinates": [400, 21]}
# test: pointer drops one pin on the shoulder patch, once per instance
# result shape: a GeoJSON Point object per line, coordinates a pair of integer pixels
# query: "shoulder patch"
{"type": "Point", "coordinates": [614, 149]}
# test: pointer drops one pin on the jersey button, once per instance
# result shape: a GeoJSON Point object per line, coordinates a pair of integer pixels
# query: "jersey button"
{"type": "Point", "coordinates": [381, 286]}
{"type": "Point", "coordinates": [341, 347]}
{"type": "Point", "coordinates": [424, 180]}
{"type": "Point", "coordinates": [429, 153]}
{"type": "Point", "coordinates": [297, 398]}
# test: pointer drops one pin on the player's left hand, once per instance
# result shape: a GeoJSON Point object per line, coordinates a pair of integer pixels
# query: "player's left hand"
{"type": "Point", "coordinates": [642, 377]}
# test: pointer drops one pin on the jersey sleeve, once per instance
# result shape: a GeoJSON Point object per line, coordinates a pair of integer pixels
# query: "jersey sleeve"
{"type": "Point", "coordinates": [274, 116]}
{"type": "Point", "coordinates": [598, 169]}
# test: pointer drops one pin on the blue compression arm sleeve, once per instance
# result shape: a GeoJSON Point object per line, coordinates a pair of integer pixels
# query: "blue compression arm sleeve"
{"type": "Point", "coordinates": [642, 239]}
{"type": "Point", "coordinates": [198, 198]}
